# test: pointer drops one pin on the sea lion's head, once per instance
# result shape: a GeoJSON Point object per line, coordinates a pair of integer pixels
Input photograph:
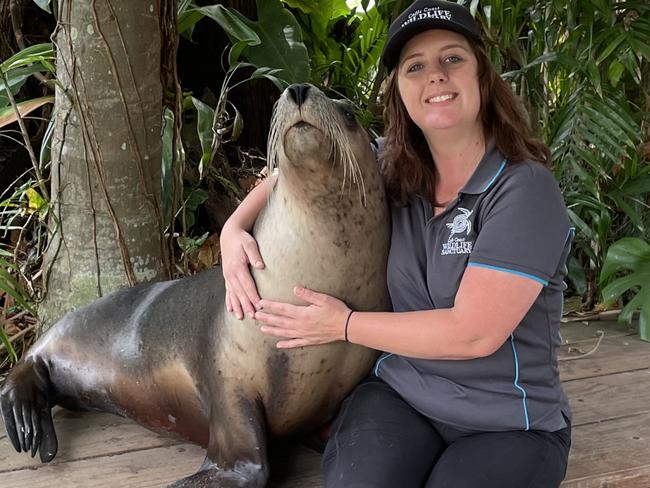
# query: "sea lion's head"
{"type": "Point", "coordinates": [316, 138]}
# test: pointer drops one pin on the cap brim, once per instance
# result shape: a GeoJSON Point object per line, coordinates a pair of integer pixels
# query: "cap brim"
{"type": "Point", "coordinates": [394, 46]}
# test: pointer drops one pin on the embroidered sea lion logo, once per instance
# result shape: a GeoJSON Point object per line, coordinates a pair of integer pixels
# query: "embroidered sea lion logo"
{"type": "Point", "coordinates": [461, 223]}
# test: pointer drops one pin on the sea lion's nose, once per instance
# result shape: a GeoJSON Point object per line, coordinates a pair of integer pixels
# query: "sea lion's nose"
{"type": "Point", "coordinates": [298, 92]}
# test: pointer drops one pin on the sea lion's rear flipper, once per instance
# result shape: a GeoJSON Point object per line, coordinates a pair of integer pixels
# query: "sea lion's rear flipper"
{"type": "Point", "coordinates": [236, 456]}
{"type": "Point", "coordinates": [24, 402]}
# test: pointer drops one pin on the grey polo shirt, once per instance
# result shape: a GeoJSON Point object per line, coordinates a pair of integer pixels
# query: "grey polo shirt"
{"type": "Point", "coordinates": [510, 218]}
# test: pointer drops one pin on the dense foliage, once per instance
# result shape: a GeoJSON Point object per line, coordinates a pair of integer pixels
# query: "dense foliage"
{"type": "Point", "coordinates": [582, 68]}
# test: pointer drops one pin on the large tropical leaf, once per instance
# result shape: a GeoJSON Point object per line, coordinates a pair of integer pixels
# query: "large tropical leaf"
{"type": "Point", "coordinates": [274, 41]}
{"type": "Point", "coordinates": [630, 256]}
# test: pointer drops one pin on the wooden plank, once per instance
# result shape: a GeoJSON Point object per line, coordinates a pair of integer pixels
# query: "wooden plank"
{"type": "Point", "coordinates": [88, 440]}
{"type": "Point", "coordinates": [579, 332]}
{"type": "Point", "coordinates": [607, 449]}
{"type": "Point", "coordinates": [87, 434]}
{"type": "Point", "coordinates": [295, 466]}
{"type": "Point", "coordinates": [154, 467]}
{"type": "Point", "coordinates": [627, 478]}
{"type": "Point", "coordinates": [614, 355]}
{"type": "Point", "coordinates": [609, 397]}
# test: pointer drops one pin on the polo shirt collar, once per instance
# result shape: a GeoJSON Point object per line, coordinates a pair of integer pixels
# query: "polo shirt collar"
{"type": "Point", "coordinates": [487, 171]}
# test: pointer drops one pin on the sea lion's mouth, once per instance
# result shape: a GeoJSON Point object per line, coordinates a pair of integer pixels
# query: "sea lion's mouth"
{"type": "Point", "coordinates": [301, 125]}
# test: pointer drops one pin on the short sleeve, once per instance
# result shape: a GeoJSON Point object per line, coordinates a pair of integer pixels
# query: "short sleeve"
{"type": "Point", "coordinates": [524, 226]}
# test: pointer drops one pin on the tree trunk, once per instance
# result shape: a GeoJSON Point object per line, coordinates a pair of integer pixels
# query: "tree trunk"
{"type": "Point", "coordinates": [106, 153]}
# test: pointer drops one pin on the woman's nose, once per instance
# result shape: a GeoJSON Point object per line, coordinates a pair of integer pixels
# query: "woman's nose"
{"type": "Point", "coordinates": [437, 74]}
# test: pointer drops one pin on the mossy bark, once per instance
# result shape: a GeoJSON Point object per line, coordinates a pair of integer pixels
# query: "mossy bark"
{"type": "Point", "coordinates": [106, 153]}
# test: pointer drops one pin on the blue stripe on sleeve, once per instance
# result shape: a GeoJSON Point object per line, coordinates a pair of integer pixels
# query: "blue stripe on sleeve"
{"type": "Point", "coordinates": [379, 362]}
{"type": "Point", "coordinates": [516, 382]}
{"type": "Point", "coordinates": [506, 270]}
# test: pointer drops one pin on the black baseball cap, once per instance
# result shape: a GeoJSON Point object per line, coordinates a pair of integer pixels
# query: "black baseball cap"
{"type": "Point", "coordinates": [423, 15]}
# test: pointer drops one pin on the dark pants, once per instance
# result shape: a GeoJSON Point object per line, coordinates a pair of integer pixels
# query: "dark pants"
{"type": "Point", "coordinates": [379, 440]}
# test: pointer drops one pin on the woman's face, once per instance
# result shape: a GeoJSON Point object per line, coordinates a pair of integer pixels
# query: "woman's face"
{"type": "Point", "coordinates": [438, 82]}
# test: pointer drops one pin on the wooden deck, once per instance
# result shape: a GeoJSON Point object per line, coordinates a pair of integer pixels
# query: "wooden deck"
{"type": "Point", "coordinates": [609, 391]}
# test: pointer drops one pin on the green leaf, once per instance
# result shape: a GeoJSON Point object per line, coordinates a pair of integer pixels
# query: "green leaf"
{"type": "Point", "coordinates": [8, 114]}
{"type": "Point", "coordinates": [10, 350]}
{"type": "Point", "coordinates": [189, 245]}
{"type": "Point", "coordinates": [232, 22]}
{"type": "Point", "coordinates": [46, 145]}
{"type": "Point", "coordinates": [307, 6]}
{"type": "Point", "coordinates": [644, 320]}
{"type": "Point", "coordinates": [204, 130]}
{"type": "Point", "coordinates": [36, 201]}
{"type": "Point", "coordinates": [32, 54]}
{"type": "Point", "coordinates": [235, 52]}
{"type": "Point", "coordinates": [11, 287]}
{"type": "Point", "coordinates": [576, 274]}
{"type": "Point", "coordinates": [637, 186]}
{"type": "Point", "coordinates": [166, 176]}
{"type": "Point", "coordinates": [611, 47]}
{"type": "Point", "coordinates": [187, 21]}
{"type": "Point", "coordinates": [275, 40]}
{"type": "Point", "coordinates": [594, 77]}
{"type": "Point", "coordinates": [615, 71]}
{"type": "Point", "coordinates": [616, 288]}
{"type": "Point", "coordinates": [15, 80]}
{"type": "Point", "coordinates": [629, 253]}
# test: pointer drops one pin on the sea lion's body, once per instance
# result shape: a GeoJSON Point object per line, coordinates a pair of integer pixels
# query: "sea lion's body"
{"type": "Point", "coordinates": [169, 356]}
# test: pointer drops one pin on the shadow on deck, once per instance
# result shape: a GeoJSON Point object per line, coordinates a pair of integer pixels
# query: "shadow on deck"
{"type": "Point", "coordinates": [609, 392]}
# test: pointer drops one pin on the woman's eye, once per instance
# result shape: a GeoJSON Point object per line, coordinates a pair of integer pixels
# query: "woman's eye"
{"type": "Point", "coordinates": [453, 59]}
{"type": "Point", "coordinates": [414, 67]}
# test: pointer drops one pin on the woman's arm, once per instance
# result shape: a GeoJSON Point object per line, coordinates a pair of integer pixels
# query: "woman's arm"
{"type": "Point", "coordinates": [488, 307]}
{"type": "Point", "coordinates": [239, 249]}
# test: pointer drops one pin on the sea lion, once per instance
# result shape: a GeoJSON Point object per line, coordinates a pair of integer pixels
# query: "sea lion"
{"type": "Point", "coordinates": [169, 356]}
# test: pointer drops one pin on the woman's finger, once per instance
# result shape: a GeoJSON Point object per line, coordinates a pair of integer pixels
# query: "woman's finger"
{"type": "Point", "coordinates": [281, 308]}
{"type": "Point", "coordinates": [272, 319]}
{"type": "Point", "coordinates": [293, 343]}
{"type": "Point", "coordinates": [235, 304]}
{"type": "Point", "coordinates": [310, 296]}
{"type": "Point", "coordinates": [248, 287]}
{"type": "Point", "coordinates": [278, 331]}
{"type": "Point", "coordinates": [253, 253]}
{"type": "Point", "coordinates": [240, 299]}
{"type": "Point", "coordinates": [228, 301]}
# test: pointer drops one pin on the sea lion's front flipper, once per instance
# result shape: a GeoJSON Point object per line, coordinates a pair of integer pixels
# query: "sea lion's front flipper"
{"type": "Point", "coordinates": [237, 456]}
{"type": "Point", "coordinates": [24, 402]}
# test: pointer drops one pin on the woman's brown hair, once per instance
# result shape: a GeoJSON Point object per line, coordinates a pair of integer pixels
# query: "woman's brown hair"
{"type": "Point", "coordinates": [406, 160]}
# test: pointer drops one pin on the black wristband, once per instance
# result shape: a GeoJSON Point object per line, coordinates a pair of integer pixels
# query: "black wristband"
{"type": "Point", "coordinates": [347, 322]}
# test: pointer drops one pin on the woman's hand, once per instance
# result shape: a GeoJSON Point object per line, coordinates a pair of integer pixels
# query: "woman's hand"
{"type": "Point", "coordinates": [238, 250]}
{"type": "Point", "coordinates": [320, 322]}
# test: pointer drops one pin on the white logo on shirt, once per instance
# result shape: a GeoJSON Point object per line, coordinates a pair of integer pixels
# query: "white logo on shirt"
{"type": "Point", "coordinates": [460, 224]}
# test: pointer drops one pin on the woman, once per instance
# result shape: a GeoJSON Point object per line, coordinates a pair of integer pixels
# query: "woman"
{"type": "Point", "coordinates": [467, 392]}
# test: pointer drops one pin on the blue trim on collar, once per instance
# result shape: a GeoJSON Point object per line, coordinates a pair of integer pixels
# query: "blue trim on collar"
{"type": "Point", "coordinates": [499, 171]}
{"type": "Point", "coordinates": [492, 164]}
